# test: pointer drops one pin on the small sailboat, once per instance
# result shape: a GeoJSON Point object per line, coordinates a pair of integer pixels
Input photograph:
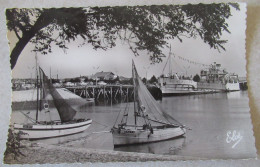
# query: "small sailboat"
{"type": "Point", "coordinates": [150, 123]}
{"type": "Point", "coordinates": [67, 125]}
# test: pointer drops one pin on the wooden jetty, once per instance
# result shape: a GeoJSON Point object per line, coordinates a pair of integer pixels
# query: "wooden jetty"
{"type": "Point", "coordinates": [118, 93]}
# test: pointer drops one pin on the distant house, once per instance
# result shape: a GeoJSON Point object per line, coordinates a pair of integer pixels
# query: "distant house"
{"type": "Point", "coordinates": [104, 76]}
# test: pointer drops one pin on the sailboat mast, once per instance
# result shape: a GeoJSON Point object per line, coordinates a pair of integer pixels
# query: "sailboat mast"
{"type": "Point", "coordinates": [133, 75]}
{"type": "Point", "coordinates": [37, 87]}
{"type": "Point", "coordinates": [170, 63]}
{"type": "Point", "coordinates": [37, 106]}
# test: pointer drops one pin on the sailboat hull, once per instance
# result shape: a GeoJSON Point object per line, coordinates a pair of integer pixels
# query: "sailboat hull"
{"type": "Point", "coordinates": [40, 131]}
{"type": "Point", "coordinates": [136, 136]}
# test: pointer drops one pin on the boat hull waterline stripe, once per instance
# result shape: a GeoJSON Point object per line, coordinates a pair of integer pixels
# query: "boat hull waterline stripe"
{"type": "Point", "coordinates": [51, 128]}
{"type": "Point", "coordinates": [40, 134]}
{"type": "Point", "coordinates": [146, 136]}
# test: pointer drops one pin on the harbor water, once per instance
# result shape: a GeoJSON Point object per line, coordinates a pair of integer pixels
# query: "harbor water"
{"type": "Point", "coordinates": [220, 126]}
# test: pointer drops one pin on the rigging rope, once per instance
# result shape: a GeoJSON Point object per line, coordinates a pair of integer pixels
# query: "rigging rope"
{"type": "Point", "coordinates": [117, 117]}
{"type": "Point", "coordinates": [100, 123]}
{"type": "Point", "coordinates": [166, 64]}
{"type": "Point", "coordinates": [28, 118]}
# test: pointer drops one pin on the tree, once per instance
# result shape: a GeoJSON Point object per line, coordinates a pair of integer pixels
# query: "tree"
{"type": "Point", "coordinates": [13, 144]}
{"type": "Point", "coordinates": [117, 79]}
{"type": "Point", "coordinates": [74, 80]}
{"type": "Point", "coordinates": [55, 80]}
{"type": "Point", "coordinates": [141, 27]}
{"type": "Point", "coordinates": [196, 78]}
{"type": "Point", "coordinates": [86, 79]}
{"type": "Point", "coordinates": [144, 80]}
{"type": "Point", "coordinates": [153, 79]}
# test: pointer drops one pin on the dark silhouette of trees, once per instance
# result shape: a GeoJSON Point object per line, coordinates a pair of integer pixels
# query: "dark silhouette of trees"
{"type": "Point", "coordinates": [196, 78]}
{"type": "Point", "coordinates": [55, 80]}
{"type": "Point", "coordinates": [144, 80]}
{"type": "Point", "coordinates": [153, 80]}
{"type": "Point", "coordinates": [86, 79]}
{"type": "Point", "coordinates": [74, 80]}
{"type": "Point", "coordinates": [141, 27]}
{"type": "Point", "coordinates": [126, 81]}
{"type": "Point", "coordinates": [13, 145]}
{"type": "Point", "coordinates": [117, 79]}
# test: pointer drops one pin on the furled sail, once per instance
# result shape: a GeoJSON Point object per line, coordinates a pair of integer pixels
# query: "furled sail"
{"type": "Point", "coordinates": [66, 112]}
{"type": "Point", "coordinates": [147, 101]}
{"type": "Point", "coordinates": [44, 87]}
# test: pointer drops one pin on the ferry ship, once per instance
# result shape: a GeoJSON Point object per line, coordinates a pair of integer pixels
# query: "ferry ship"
{"type": "Point", "coordinates": [177, 85]}
{"type": "Point", "coordinates": [172, 84]}
{"type": "Point", "coordinates": [216, 78]}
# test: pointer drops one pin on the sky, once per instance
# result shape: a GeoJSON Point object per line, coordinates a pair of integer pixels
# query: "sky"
{"type": "Point", "coordinates": [85, 61]}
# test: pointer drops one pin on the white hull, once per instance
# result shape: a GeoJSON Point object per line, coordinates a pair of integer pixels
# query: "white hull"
{"type": "Point", "coordinates": [219, 86]}
{"type": "Point", "coordinates": [39, 131]}
{"type": "Point", "coordinates": [232, 87]}
{"type": "Point", "coordinates": [136, 136]}
{"type": "Point", "coordinates": [172, 91]}
{"type": "Point", "coordinates": [177, 86]}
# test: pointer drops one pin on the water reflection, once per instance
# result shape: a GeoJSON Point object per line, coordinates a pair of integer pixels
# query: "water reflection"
{"type": "Point", "coordinates": [171, 146]}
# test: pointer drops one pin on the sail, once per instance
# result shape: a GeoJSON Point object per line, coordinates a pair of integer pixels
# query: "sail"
{"type": "Point", "coordinates": [66, 112]}
{"type": "Point", "coordinates": [44, 91]}
{"type": "Point", "coordinates": [146, 100]}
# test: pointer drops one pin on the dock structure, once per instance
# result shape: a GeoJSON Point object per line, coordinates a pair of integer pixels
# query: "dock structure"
{"type": "Point", "coordinates": [117, 93]}
{"type": "Point", "coordinates": [104, 92]}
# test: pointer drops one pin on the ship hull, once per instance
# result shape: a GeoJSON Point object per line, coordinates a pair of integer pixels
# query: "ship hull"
{"type": "Point", "coordinates": [179, 92]}
{"type": "Point", "coordinates": [232, 87]}
{"type": "Point", "coordinates": [171, 87]}
{"type": "Point", "coordinates": [219, 86]}
{"type": "Point", "coordinates": [40, 131]}
{"type": "Point", "coordinates": [137, 136]}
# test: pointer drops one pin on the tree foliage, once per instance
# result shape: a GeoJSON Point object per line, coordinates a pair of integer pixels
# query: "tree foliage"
{"type": "Point", "coordinates": [153, 80]}
{"type": "Point", "coordinates": [196, 78]}
{"type": "Point", "coordinates": [144, 80]}
{"type": "Point", "coordinates": [141, 27]}
{"type": "Point", "coordinates": [13, 145]}
{"type": "Point", "coordinates": [74, 80]}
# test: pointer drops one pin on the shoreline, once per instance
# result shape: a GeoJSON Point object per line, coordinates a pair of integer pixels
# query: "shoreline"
{"type": "Point", "coordinates": [42, 153]}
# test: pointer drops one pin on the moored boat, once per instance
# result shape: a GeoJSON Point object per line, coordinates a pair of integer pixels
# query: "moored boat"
{"type": "Point", "coordinates": [151, 123]}
{"type": "Point", "coordinates": [216, 78]}
{"type": "Point", "coordinates": [67, 124]}
{"type": "Point", "coordinates": [42, 130]}
{"type": "Point", "coordinates": [173, 84]}
{"type": "Point", "coordinates": [137, 135]}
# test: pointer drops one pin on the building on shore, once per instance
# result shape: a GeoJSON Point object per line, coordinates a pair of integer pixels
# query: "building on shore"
{"type": "Point", "coordinates": [21, 84]}
{"type": "Point", "coordinates": [104, 76]}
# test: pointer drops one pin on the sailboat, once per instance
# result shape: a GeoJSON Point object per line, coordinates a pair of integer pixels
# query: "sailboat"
{"type": "Point", "coordinates": [67, 124]}
{"type": "Point", "coordinates": [150, 123]}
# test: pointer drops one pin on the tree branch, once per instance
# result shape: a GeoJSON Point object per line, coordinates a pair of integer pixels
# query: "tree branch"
{"type": "Point", "coordinates": [16, 33]}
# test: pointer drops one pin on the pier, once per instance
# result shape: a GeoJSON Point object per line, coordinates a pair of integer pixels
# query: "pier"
{"type": "Point", "coordinates": [115, 93]}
